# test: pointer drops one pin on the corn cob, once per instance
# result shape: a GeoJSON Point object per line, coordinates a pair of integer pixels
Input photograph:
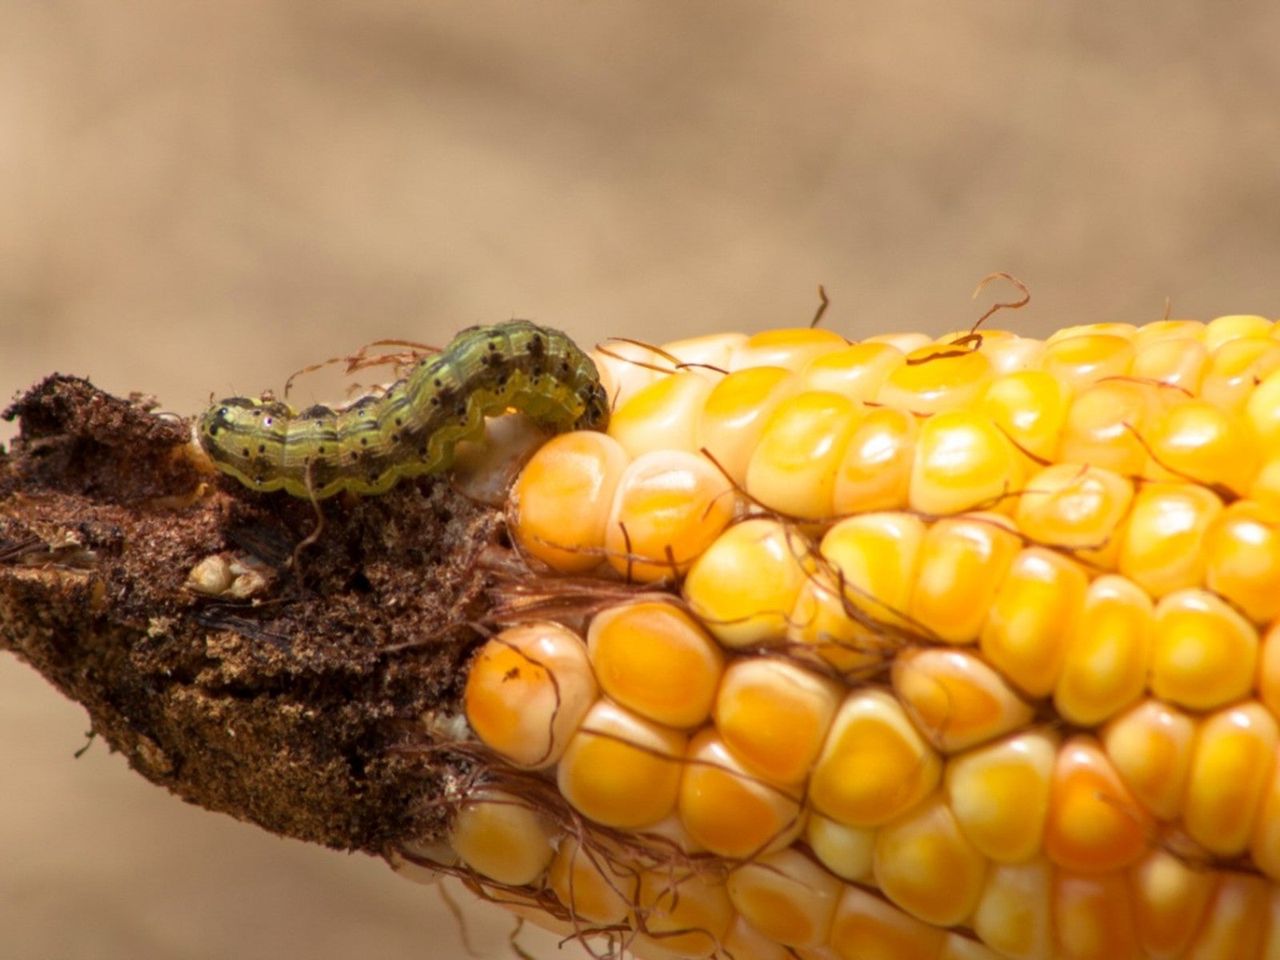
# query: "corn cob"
{"type": "Point", "coordinates": [908, 648]}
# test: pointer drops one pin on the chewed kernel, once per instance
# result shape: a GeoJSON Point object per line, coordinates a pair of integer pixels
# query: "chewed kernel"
{"type": "Point", "coordinates": [744, 585]}
{"type": "Point", "coordinates": [528, 689]}
{"type": "Point", "coordinates": [1230, 771]}
{"type": "Point", "coordinates": [786, 896]}
{"type": "Point", "coordinates": [962, 462]}
{"type": "Point", "coordinates": [925, 864]}
{"type": "Point", "coordinates": [793, 468]}
{"type": "Point", "coordinates": [955, 699]}
{"type": "Point", "coordinates": [653, 658]}
{"type": "Point", "coordinates": [668, 508]}
{"type": "Point", "coordinates": [774, 716]}
{"type": "Point", "coordinates": [661, 415]}
{"type": "Point", "coordinates": [999, 794]}
{"type": "Point", "coordinates": [1204, 654]}
{"type": "Point", "coordinates": [1095, 824]}
{"type": "Point", "coordinates": [500, 837]}
{"type": "Point", "coordinates": [729, 811]}
{"type": "Point", "coordinates": [874, 765]}
{"type": "Point", "coordinates": [735, 412]}
{"type": "Point", "coordinates": [563, 496]}
{"type": "Point", "coordinates": [620, 769]}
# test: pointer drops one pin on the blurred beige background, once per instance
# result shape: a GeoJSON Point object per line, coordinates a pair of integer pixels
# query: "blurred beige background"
{"type": "Point", "coordinates": [199, 198]}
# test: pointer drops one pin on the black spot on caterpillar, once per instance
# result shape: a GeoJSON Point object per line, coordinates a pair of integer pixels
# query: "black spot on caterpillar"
{"type": "Point", "coordinates": [412, 428]}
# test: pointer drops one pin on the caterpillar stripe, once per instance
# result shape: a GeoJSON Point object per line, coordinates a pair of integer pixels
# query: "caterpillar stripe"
{"type": "Point", "coordinates": [412, 428]}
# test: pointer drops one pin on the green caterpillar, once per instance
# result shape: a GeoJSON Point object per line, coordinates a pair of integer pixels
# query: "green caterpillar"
{"type": "Point", "coordinates": [413, 428]}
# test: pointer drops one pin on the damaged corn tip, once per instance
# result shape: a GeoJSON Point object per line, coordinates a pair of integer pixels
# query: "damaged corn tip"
{"type": "Point", "coordinates": [908, 649]}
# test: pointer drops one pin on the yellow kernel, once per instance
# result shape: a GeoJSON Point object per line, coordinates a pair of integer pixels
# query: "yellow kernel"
{"type": "Point", "coordinates": [1157, 330]}
{"type": "Point", "coordinates": [1234, 923]}
{"type": "Point", "coordinates": [955, 699]}
{"type": "Point", "coordinates": [1095, 825]}
{"type": "Point", "coordinates": [745, 942]}
{"type": "Point", "coordinates": [735, 413]}
{"type": "Point", "coordinates": [1122, 331]}
{"type": "Point", "coordinates": [1176, 361]}
{"type": "Point", "coordinates": [1204, 654]}
{"type": "Point", "coordinates": [620, 769]}
{"type": "Point", "coordinates": [527, 691]}
{"type": "Point", "coordinates": [1010, 353]}
{"type": "Point", "coordinates": [501, 838]}
{"type": "Point", "coordinates": [958, 946]}
{"type": "Point", "coordinates": [874, 472]}
{"type": "Point", "coordinates": [999, 794]}
{"type": "Point", "coordinates": [963, 561]}
{"type": "Point", "coordinates": [1161, 546]}
{"type": "Point", "coordinates": [661, 415]}
{"type": "Point", "coordinates": [655, 659]}
{"type": "Point", "coordinates": [682, 914]}
{"type": "Point", "coordinates": [962, 462]}
{"type": "Point", "coordinates": [791, 348]}
{"type": "Point", "coordinates": [874, 765]}
{"type": "Point", "coordinates": [924, 864]}
{"type": "Point", "coordinates": [625, 369]}
{"type": "Point", "coordinates": [1199, 442]}
{"type": "Point", "coordinates": [1086, 358]}
{"type": "Point", "coordinates": [1074, 507]}
{"type": "Point", "coordinates": [774, 716]}
{"type": "Point", "coordinates": [1014, 914]}
{"type": "Point", "coordinates": [1106, 423]}
{"type": "Point", "coordinates": [875, 555]}
{"type": "Point", "coordinates": [1222, 330]}
{"type": "Point", "coordinates": [1263, 411]}
{"type": "Point", "coordinates": [1242, 551]}
{"type": "Point", "coordinates": [563, 496]}
{"type": "Point", "coordinates": [668, 508]}
{"type": "Point", "coordinates": [1235, 368]}
{"type": "Point", "coordinates": [1264, 842]}
{"type": "Point", "coordinates": [787, 897]}
{"type": "Point", "coordinates": [936, 378]}
{"type": "Point", "coordinates": [905, 342]}
{"type": "Point", "coordinates": [1169, 898]}
{"type": "Point", "coordinates": [865, 927]}
{"type": "Point", "coordinates": [1093, 918]}
{"type": "Point", "coordinates": [1230, 770]}
{"type": "Point", "coordinates": [856, 371]}
{"type": "Point", "coordinates": [825, 625]}
{"type": "Point", "coordinates": [1033, 613]}
{"type": "Point", "coordinates": [1030, 407]}
{"type": "Point", "coordinates": [793, 468]}
{"type": "Point", "coordinates": [845, 851]}
{"type": "Point", "coordinates": [1269, 669]}
{"type": "Point", "coordinates": [1104, 668]}
{"type": "Point", "coordinates": [1150, 747]}
{"type": "Point", "coordinates": [715, 350]}
{"type": "Point", "coordinates": [592, 883]}
{"type": "Point", "coordinates": [726, 809]}
{"type": "Point", "coordinates": [744, 586]}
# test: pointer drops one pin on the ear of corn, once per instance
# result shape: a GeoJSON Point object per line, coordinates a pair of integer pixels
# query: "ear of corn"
{"type": "Point", "coordinates": [939, 650]}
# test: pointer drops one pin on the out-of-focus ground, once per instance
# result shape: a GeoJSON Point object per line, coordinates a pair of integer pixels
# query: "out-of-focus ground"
{"type": "Point", "coordinates": [199, 198]}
